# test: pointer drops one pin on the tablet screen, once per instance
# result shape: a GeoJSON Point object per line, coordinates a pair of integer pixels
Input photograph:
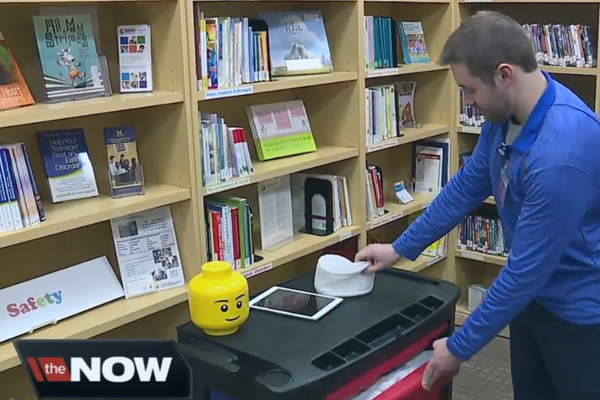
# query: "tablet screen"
{"type": "Point", "coordinates": [293, 302]}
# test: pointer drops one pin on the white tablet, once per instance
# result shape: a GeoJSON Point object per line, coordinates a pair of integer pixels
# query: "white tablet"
{"type": "Point", "coordinates": [295, 303]}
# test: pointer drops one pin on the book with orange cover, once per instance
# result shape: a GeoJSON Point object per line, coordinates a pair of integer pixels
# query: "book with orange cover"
{"type": "Point", "coordinates": [14, 91]}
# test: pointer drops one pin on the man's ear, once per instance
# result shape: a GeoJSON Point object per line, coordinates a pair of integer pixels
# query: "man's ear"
{"type": "Point", "coordinates": [505, 75]}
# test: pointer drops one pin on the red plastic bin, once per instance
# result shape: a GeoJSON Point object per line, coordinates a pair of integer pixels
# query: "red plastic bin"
{"type": "Point", "coordinates": [410, 388]}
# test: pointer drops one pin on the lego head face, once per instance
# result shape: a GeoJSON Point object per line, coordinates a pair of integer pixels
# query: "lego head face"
{"type": "Point", "coordinates": [218, 299]}
{"type": "Point", "coordinates": [232, 310]}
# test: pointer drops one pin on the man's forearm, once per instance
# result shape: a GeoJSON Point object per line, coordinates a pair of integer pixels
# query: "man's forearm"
{"type": "Point", "coordinates": [459, 197]}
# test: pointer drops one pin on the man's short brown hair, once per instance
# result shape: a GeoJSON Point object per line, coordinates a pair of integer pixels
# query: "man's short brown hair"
{"type": "Point", "coordinates": [485, 41]}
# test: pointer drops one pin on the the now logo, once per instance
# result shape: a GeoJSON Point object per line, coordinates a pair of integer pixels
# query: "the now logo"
{"type": "Point", "coordinates": [113, 369]}
{"type": "Point", "coordinates": [106, 368]}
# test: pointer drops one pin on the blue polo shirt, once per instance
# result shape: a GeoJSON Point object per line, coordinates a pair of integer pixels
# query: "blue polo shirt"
{"type": "Point", "coordinates": [550, 215]}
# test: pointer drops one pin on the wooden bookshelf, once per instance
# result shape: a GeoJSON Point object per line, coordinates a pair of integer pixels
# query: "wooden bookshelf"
{"type": "Point", "coordinates": [169, 144]}
{"type": "Point", "coordinates": [474, 267]}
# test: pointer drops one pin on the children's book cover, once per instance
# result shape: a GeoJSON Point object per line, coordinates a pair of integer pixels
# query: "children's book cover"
{"type": "Point", "coordinates": [14, 91]}
{"type": "Point", "coordinates": [298, 43]}
{"type": "Point", "coordinates": [123, 161]}
{"type": "Point", "coordinates": [70, 62]}
{"type": "Point", "coordinates": [405, 104]}
{"type": "Point", "coordinates": [412, 39]}
{"type": "Point", "coordinates": [68, 166]}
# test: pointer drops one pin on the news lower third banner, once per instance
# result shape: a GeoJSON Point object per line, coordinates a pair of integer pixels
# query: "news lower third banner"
{"type": "Point", "coordinates": [115, 369]}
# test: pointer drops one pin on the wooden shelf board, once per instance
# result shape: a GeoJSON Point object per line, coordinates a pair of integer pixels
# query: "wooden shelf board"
{"type": "Point", "coordinates": [473, 130]}
{"type": "Point", "coordinates": [408, 1]}
{"type": "Point", "coordinates": [410, 135]}
{"type": "Point", "coordinates": [396, 211]}
{"type": "Point", "coordinates": [569, 70]}
{"type": "Point", "coordinates": [528, 1]}
{"type": "Point", "coordinates": [271, 169]}
{"type": "Point", "coordinates": [405, 69]}
{"type": "Point", "coordinates": [72, 109]}
{"type": "Point", "coordinates": [462, 313]}
{"type": "Point", "coordinates": [478, 256]}
{"type": "Point", "coordinates": [279, 83]}
{"type": "Point", "coordinates": [99, 320]}
{"type": "Point", "coordinates": [303, 245]}
{"type": "Point", "coordinates": [66, 216]}
{"type": "Point", "coordinates": [419, 264]}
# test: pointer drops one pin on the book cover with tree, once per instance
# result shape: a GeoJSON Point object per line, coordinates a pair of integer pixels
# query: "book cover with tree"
{"type": "Point", "coordinates": [298, 43]}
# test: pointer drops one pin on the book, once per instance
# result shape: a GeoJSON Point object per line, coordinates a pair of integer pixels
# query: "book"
{"type": "Point", "coordinates": [380, 43]}
{"type": "Point", "coordinates": [412, 40]}
{"type": "Point", "coordinates": [135, 58]}
{"type": "Point", "coordinates": [14, 91]}
{"type": "Point", "coordinates": [67, 164]}
{"type": "Point", "coordinates": [405, 104]}
{"type": "Point", "coordinates": [280, 129]}
{"type": "Point", "coordinates": [123, 160]}
{"type": "Point", "coordinates": [69, 58]}
{"type": "Point", "coordinates": [298, 43]}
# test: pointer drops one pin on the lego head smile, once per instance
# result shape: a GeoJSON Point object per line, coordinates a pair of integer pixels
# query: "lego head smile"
{"type": "Point", "coordinates": [219, 299]}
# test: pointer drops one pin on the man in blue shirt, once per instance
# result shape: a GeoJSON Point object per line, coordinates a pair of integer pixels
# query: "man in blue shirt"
{"type": "Point", "coordinates": [538, 154]}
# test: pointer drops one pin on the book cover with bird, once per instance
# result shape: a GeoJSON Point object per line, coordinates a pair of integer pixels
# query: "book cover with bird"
{"type": "Point", "coordinates": [298, 43]}
{"type": "Point", "coordinates": [14, 91]}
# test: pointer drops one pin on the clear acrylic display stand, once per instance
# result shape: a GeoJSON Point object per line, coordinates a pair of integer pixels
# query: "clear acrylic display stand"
{"type": "Point", "coordinates": [127, 183]}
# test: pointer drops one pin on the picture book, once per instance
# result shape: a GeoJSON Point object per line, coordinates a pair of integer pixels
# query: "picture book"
{"type": "Point", "coordinates": [68, 166]}
{"type": "Point", "coordinates": [69, 58]}
{"type": "Point", "coordinates": [14, 91]}
{"type": "Point", "coordinates": [135, 58]}
{"type": "Point", "coordinates": [280, 129]}
{"type": "Point", "coordinates": [412, 39]}
{"type": "Point", "coordinates": [405, 104]}
{"type": "Point", "coordinates": [123, 163]}
{"type": "Point", "coordinates": [298, 43]}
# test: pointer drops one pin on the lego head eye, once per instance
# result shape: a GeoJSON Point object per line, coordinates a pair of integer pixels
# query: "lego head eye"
{"type": "Point", "coordinates": [239, 304]}
{"type": "Point", "coordinates": [224, 308]}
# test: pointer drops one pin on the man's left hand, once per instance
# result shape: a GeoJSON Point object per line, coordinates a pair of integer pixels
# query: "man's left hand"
{"type": "Point", "coordinates": [442, 365]}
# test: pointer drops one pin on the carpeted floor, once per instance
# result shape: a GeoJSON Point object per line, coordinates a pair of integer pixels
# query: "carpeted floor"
{"type": "Point", "coordinates": [487, 375]}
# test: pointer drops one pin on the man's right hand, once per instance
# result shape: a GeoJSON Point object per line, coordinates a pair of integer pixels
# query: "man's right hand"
{"type": "Point", "coordinates": [380, 255]}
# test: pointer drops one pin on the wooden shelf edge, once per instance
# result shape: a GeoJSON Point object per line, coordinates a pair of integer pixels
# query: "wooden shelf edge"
{"type": "Point", "coordinates": [405, 69]}
{"type": "Point", "coordinates": [419, 264]}
{"type": "Point", "coordinates": [473, 130]}
{"type": "Point", "coordinates": [481, 257]}
{"type": "Point", "coordinates": [410, 135]}
{"type": "Point", "coordinates": [99, 320]}
{"type": "Point", "coordinates": [305, 245]}
{"type": "Point", "coordinates": [68, 216]}
{"type": "Point", "coordinates": [397, 211]}
{"type": "Point", "coordinates": [278, 84]}
{"type": "Point", "coordinates": [41, 112]}
{"type": "Point", "coordinates": [283, 166]}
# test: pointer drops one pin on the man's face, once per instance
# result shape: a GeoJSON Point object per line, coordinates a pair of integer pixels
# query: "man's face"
{"type": "Point", "coordinates": [492, 101]}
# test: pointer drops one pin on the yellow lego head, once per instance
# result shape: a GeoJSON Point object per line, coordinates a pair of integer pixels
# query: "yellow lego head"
{"type": "Point", "coordinates": [218, 299]}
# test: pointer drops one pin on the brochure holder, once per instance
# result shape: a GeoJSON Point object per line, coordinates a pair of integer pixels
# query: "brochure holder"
{"type": "Point", "coordinates": [86, 80]}
{"type": "Point", "coordinates": [127, 183]}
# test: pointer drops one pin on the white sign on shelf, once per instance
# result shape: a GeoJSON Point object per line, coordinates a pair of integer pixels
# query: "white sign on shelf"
{"type": "Point", "coordinates": [229, 92]}
{"type": "Point", "coordinates": [258, 270]}
{"type": "Point", "coordinates": [382, 145]}
{"type": "Point", "coordinates": [232, 184]}
{"type": "Point", "coordinates": [376, 73]}
{"type": "Point", "coordinates": [472, 256]}
{"type": "Point", "coordinates": [344, 236]}
{"type": "Point", "coordinates": [50, 298]}
{"type": "Point", "coordinates": [471, 129]}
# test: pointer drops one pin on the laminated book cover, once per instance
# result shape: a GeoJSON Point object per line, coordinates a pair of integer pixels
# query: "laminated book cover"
{"type": "Point", "coordinates": [123, 162]}
{"type": "Point", "coordinates": [67, 163]}
{"type": "Point", "coordinates": [69, 58]}
{"type": "Point", "coordinates": [14, 91]}
{"type": "Point", "coordinates": [298, 43]}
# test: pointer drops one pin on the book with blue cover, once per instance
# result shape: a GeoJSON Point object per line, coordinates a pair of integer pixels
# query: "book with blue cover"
{"type": "Point", "coordinates": [298, 43]}
{"type": "Point", "coordinates": [70, 62]}
{"type": "Point", "coordinates": [67, 163]}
